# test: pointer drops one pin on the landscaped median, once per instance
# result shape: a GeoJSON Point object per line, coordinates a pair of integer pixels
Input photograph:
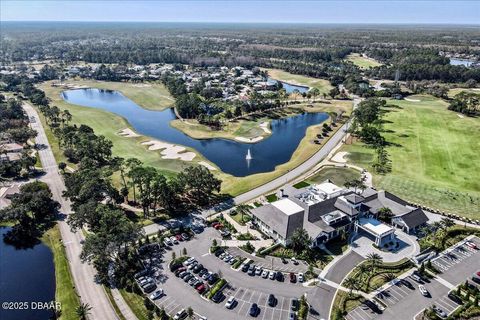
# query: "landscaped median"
{"type": "Point", "coordinates": [344, 303]}
{"type": "Point", "coordinates": [221, 283]}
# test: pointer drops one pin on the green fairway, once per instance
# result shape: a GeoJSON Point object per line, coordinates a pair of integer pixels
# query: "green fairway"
{"type": "Point", "coordinates": [453, 92]}
{"type": "Point", "coordinates": [337, 175]}
{"type": "Point", "coordinates": [434, 157]}
{"type": "Point", "coordinates": [362, 62]}
{"type": "Point", "coordinates": [323, 85]}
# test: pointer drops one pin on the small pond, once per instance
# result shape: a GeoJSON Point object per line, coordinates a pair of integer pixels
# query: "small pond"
{"type": "Point", "coordinates": [289, 88]}
{"type": "Point", "coordinates": [461, 62]}
{"type": "Point", "coordinates": [228, 155]}
{"type": "Point", "coordinates": [26, 275]}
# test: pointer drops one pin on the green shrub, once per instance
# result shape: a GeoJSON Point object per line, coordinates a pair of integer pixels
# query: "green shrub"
{"type": "Point", "coordinates": [219, 285]}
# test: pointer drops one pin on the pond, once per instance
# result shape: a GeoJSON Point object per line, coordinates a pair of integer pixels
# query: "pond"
{"type": "Point", "coordinates": [228, 155]}
{"type": "Point", "coordinates": [289, 88]}
{"type": "Point", "coordinates": [461, 62]}
{"type": "Point", "coordinates": [26, 275]}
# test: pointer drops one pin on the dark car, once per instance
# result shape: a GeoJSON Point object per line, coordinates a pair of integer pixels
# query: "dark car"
{"type": "Point", "coordinates": [219, 252]}
{"type": "Point", "coordinates": [179, 270]}
{"type": "Point", "coordinates": [212, 279]}
{"type": "Point", "coordinates": [201, 288]}
{"type": "Point", "coordinates": [251, 270]}
{"type": "Point", "coordinates": [202, 272]}
{"type": "Point", "coordinates": [149, 288]}
{"type": "Point", "coordinates": [272, 301]}
{"type": "Point", "coordinates": [455, 298]}
{"type": "Point", "coordinates": [372, 306]}
{"type": "Point", "coordinates": [185, 236]}
{"type": "Point", "coordinates": [217, 297]}
{"type": "Point", "coordinates": [197, 268]}
{"type": "Point", "coordinates": [254, 310]}
{"type": "Point", "coordinates": [407, 284]}
{"type": "Point", "coordinates": [294, 304]}
{"type": "Point", "coordinates": [245, 267]}
{"type": "Point", "coordinates": [293, 277]}
{"type": "Point", "coordinates": [279, 276]}
{"type": "Point", "coordinates": [476, 279]}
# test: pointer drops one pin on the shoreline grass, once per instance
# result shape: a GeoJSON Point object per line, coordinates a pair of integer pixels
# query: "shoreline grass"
{"type": "Point", "coordinates": [295, 79]}
{"type": "Point", "coordinates": [65, 292]}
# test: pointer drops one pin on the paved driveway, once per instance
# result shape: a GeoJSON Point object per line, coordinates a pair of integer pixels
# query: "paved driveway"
{"type": "Point", "coordinates": [343, 266]}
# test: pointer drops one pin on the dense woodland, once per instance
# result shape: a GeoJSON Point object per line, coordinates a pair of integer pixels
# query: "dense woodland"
{"type": "Point", "coordinates": [313, 50]}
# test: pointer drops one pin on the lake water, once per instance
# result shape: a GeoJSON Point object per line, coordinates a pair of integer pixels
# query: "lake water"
{"type": "Point", "coordinates": [26, 275]}
{"type": "Point", "coordinates": [460, 62]}
{"type": "Point", "coordinates": [228, 155]}
{"type": "Point", "coordinates": [289, 88]}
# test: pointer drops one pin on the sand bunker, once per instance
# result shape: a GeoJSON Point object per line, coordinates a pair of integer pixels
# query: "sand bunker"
{"type": "Point", "coordinates": [249, 140]}
{"type": "Point", "coordinates": [128, 133]}
{"type": "Point", "coordinates": [412, 100]}
{"type": "Point", "coordinates": [460, 115]}
{"type": "Point", "coordinates": [170, 151]}
{"type": "Point", "coordinates": [264, 126]}
{"type": "Point", "coordinates": [207, 165]}
{"type": "Point", "coordinates": [340, 157]}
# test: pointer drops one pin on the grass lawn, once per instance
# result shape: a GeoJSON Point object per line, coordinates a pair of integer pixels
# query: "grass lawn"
{"type": "Point", "coordinates": [238, 218]}
{"type": "Point", "coordinates": [323, 85]}
{"type": "Point", "coordinates": [271, 197]}
{"type": "Point", "coordinates": [344, 303]}
{"type": "Point", "coordinates": [337, 175]}
{"type": "Point", "coordinates": [64, 286]}
{"type": "Point", "coordinates": [434, 156]}
{"type": "Point", "coordinates": [113, 303]}
{"type": "Point", "coordinates": [301, 184]}
{"type": "Point", "coordinates": [135, 303]}
{"type": "Point", "coordinates": [362, 62]}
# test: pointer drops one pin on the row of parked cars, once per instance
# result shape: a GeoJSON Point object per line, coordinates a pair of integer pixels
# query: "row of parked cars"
{"type": "Point", "coordinates": [271, 301]}
{"type": "Point", "coordinates": [253, 270]}
{"type": "Point", "coordinates": [226, 257]}
{"type": "Point", "coordinates": [176, 239]}
{"type": "Point", "coordinates": [196, 275]}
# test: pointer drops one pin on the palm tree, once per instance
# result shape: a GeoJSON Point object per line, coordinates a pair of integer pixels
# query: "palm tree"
{"type": "Point", "coordinates": [243, 209]}
{"type": "Point", "coordinates": [374, 259]}
{"type": "Point", "coordinates": [351, 284]}
{"type": "Point", "coordinates": [300, 240]}
{"type": "Point", "coordinates": [83, 310]}
{"type": "Point", "coordinates": [447, 223]}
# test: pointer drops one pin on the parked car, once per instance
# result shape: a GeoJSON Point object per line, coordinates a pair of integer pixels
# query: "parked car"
{"type": "Point", "coordinates": [476, 278]}
{"type": "Point", "coordinates": [251, 270]}
{"type": "Point", "coordinates": [197, 268]}
{"type": "Point", "coordinates": [207, 275]}
{"type": "Point", "coordinates": [224, 233]}
{"type": "Point", "coordinates": [372, 306]}
{"type": "Point", "coordinates": [254, 310]}
{"type": "Point", "coordinates": [423, 290]}
{"type": "Point", "coordinates": [140, 274]}
{"type": "Point", "coordinates": [265, 274]}
{"type": "Point", "coordinates": [185, 236]}
{"type": "Point", "coordinates": [217, 297]}
{"type": "Point", "coordinates": [294, 261]}
{"type": "Point", "coordinates": [212, 279]}
{"type": "Point", "coordinates": [232, 261]}
{"type": "Point", "coordinates": [230, 304]}
{"type": "Point", "coordinates": [188, 277]}
{"type": "Point", "coordinates": [258, 270]}
{"type": "Point", "coordinates": [294, 304]}
{"type": "Point", "coordinates": [245, 267]}
{"type": "Point", "coordinates": [223, 255]}
{"type": "Point", "coordinates": [279, 276]}
{"type": "Point", "coordinates": [218, 226]}
{"type": "Point", "coordinates": [417, 278]}
{"type": "Point", "coordinates": [471, 244]}
{"type": "Point", "coordinates": [189, 261]}
{"type": "Point", "coordinates": [157, 294]}
{"type": "Point", "coordinates": [300, 277]}
{"type": "Point", "coordinates": [272, 301]}
{"type": "Point", "coordinates": [201, 288]}
{"type": "Point", "coordinates": [179, 270]}
{"type": "Point", "coordinates": [182, 314]}
{"type": "Point", "coordinates": [272, 275]}
{"type": "Point", "coordinates": [439, 311]}
{"type": "Point", "coordinates": [192, 281]}
{"type": "Point", "coordinates": [407, 284]}
{"type": "Point", "coordinates": [178, 237]}
{"type": "Point", "coordinates": [167, 242]}
{"type": "Point", "coordinates": [202, 272]}
{"type": "Point", "coordinates": [150, 287]}
{"type": "Point", "coordinates": [293, 277]}
{"type": "Point", "coordinates": [455, 298]}
{"type": "Point", "coordinates": [174, 240]}
{"type": "Point", "coordinates": [292, 316]}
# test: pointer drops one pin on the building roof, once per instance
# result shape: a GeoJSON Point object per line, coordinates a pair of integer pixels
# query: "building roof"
{"type": "Point", "coordinates": [354, 198]}
{"type": "Point", "coordinates": [414, 218]}
{"type": "Point", "coordinates": [374, 226]}
{"type": "Point", "coordinates": [287, 206]}
{"type": "Point", "coordinates": [385, 199]}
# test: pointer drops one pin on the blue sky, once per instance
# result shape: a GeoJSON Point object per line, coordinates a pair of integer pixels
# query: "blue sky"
{"type": "Point", "coordinates": [270, 11]}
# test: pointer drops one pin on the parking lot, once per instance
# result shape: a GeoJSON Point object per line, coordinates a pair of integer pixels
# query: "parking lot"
{"type": "Point", "coordinates": [271, 263]}
{"type": "Point", "coordinates": [456, 263]}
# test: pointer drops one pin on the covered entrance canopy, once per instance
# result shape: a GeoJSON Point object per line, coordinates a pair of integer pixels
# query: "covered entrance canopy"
{"type": "Point", "coordinates": [380, 231]}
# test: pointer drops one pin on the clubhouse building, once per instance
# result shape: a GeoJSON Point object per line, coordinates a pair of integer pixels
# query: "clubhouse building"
{"type": "Point", "coordinates": [327, 211]}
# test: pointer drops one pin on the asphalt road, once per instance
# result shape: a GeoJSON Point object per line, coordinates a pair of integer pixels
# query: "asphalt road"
{"type": "Point", "coordinates": [83, 274]}
{"type": "Point", "coordinates": [343, 267]}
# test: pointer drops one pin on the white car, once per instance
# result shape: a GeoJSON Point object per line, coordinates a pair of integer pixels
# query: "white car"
{"type": "Point", "coordinates": [272, 275]}
{"type": "Point", "coordinates": [258, 271]}
{"type": "Point", "coordinates": [265, 274]}
{"type": "Point", "coordinates": [294, 261]}
{"type": "Point", "coordinates": [471, 244]}
{"type": "Point", "coordinates": [189, 261]}
{"type": "Point", "coordinates": [300, 277]}
{"type": "Point", "coordinates": [174, 240]}
{"type": "Point", "coordinates": [157, 294]}
{"type": "Point", "coordinates": [230, 303]}
{"type": "Point", "coordinates": [423, 290]}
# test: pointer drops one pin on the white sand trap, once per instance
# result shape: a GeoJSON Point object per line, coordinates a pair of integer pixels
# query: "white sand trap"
{"type": "Point", "coordinates": [460, 115]}
{"type": "Point", "coordinates": [128, 133]}
{"type": "Point", "coordinates": [412, 100]}
{"type": "Point", "coordinates": [207, 165]}
{"type": "Point", "coordinates": [170, 151]}
{"type": "Point", "coordinates": [340, 157]}
{"type": "Point", "coordinates": [249, 140]}
{"type": "Point", "coordinates": [142, 85]}
{"type": "Point", "coordinates": [264, 126]}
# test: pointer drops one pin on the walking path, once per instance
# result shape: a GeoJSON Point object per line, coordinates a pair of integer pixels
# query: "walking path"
{"type": "Point", "coordinates": [83, 274]}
